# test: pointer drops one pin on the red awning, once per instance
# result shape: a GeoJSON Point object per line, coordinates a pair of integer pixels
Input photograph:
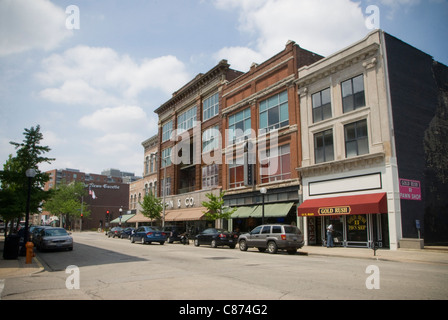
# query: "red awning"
{"type": "Point", "coordinates": [360, 204]}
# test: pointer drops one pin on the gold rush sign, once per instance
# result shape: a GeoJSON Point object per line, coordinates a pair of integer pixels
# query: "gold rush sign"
{"type": "Point", "coordinates": [334, 210]}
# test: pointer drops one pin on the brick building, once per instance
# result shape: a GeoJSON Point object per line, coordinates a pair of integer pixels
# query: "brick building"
{"type": "Point", "coordinates": [261, 109]}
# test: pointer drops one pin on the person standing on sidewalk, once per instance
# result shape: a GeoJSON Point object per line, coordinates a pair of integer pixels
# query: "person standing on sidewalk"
{"type": "Point", "coordinates": [330, 231]}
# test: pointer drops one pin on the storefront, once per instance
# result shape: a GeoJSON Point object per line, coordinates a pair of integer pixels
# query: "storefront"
{"type": "Point", "coordinates": [358, 220]}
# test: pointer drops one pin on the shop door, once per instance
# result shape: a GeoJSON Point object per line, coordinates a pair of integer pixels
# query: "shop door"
{"type": "Point", "coordinates": [338, 226]}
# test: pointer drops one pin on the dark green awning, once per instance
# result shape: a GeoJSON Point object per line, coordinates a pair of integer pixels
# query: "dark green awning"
{"type": "Point", "coordinates": [270, 210]}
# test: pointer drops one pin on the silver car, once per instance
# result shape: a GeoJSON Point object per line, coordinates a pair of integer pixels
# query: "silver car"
{"type": "Point", "coordinates": [272, 237]}
{"type": "Point", "coordinates": [54, 238]}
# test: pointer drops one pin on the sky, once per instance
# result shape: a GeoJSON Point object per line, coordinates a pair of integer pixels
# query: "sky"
{"type": "Point", "coordinates": [91, 73]}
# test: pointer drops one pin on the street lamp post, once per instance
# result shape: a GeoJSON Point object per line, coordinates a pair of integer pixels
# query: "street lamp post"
{"type": "Point", "coordinates": [154, 154]}
{"type": "Point", "coordinates": [263, 192]}
{"type": "Point", "coordinates": [121, 212]}
{"type": "Point", "coordinates": [30, 173]}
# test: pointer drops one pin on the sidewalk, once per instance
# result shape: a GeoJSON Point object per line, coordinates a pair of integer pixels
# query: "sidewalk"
{"type": "Point", "coordinates": [17, 267]}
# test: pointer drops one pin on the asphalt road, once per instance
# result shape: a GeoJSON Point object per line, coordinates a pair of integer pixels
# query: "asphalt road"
{"type": "Point", "coordinates": [106, 268]}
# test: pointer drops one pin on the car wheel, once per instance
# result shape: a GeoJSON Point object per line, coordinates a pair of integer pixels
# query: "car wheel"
{"type": "Point", "coordinates": [243, 245]}
{"type": "Point", "coordinates": [213, 244]}
{"type": "Point", "coordinates": [162, 242]}
{"type": "Point", "coordinates": [232, 246]}
{"type": "Point", "coordinates": [196, 242]}
{"type": "Point", "coordinates": [272, 247]}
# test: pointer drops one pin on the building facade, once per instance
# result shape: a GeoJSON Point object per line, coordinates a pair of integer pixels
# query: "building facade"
{"type": "Point", "coordinates": [106, 196]}
{"type": "Point", "coordinates": [363, 128]}
{"type": "Point", "coordinates": [262, 125]}
{"type": "Point", "coordinates": [190, 147]}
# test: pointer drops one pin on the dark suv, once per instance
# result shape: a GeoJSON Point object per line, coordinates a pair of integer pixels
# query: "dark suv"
{"type": "Point", "coordinates": [272, 237]}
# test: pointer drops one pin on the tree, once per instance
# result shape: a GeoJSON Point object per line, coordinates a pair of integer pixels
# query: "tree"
{"type": "Point", "coordinates": [14, 181]}
{"type": "Point", "coordinates": [215, 207]}
{"type": "Point", "coordinates": [66, 202]}
{"type": "Point", "coordinates": [151, 207]}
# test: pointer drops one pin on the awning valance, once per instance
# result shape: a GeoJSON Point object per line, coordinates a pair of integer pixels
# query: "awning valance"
{"type": "Point", "coordinates": [124, 218]}
{"type": "Point", "coordinates": [359, 204]}
{"type": "Point", "coordinates": [270, 210]}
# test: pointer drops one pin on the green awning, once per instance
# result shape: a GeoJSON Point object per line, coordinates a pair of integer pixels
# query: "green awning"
{"type": "Point", "coordinates": [273, 210]}
{"type": "Point", "coordinates": [243, 212]}
{"type": "Point", "coordinates": [124, 218]}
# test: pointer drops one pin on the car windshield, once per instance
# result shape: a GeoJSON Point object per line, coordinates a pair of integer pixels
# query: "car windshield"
{"type": "Point", "coordinates": [55, 232]}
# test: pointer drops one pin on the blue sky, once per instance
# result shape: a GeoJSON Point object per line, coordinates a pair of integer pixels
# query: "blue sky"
{"type": "Point", "coordinates": [93, 89]}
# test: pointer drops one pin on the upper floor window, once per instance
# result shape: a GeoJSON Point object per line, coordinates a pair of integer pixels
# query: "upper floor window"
{"type": "Point", "coordinates": [166, 157]}
{"type": "Point", "coordinates": [323, 146]}
{"type": "Point", "coordinates": [210, 176]}
{"type": "Point", "coordinates": [356, 139]}
{"type": "Point", "coordinates": [321, 105]}
{"type": "Point", "coordinates": [167, 128]}
{"type": "Point", "coordinates": [187, 119]}
{"type": "Point", "coordinates": [236, 174]}
{"type": "Point", "coordinates": [211, 107]}
{"type": "Point", "coordinates": [274, 112]}
{"type": "Point", "coordinates": [276, 167]}
{"type": "Point", "coordinates": [211, 139]}
{"type": "Point", "coordinates": [239, 126]}
{"type": "Point", "coordinates": [353, 93]}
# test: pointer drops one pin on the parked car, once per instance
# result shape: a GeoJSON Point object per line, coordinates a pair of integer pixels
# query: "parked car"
{"type": "Point", "coordinates": [216, 237]}
{"type": "Point", "coordinates": [34, 231]}
{"type": "Point", "coordinates": [146, 234]}
{"type": "Point", "coordinates": [173, 233]}
{"type": "Point", "coordinates": [54, 238]}
{"type": "Point", "coordinates": [272, 237]}
{"type": "Point", "coordinates": [126, 232]}
{"type": "Point", "coordinates": [114, 232]}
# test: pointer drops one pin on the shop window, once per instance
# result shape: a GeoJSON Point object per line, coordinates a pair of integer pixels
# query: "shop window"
{"type": "Point", "coordinates": [356, 139]}
{"type": "Point", "coordinates": [321, 105]}
{"type": "Point", "coordinates": [353, 93]}
{"type": "Point", "coordinates": [323, 146]}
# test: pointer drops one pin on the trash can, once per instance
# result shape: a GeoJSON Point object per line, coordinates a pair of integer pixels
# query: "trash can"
{"type": "Point", "coordinates": [11, 248]}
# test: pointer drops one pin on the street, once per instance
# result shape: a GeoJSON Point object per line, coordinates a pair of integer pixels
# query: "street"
{"type": "Point", "coordinates": [107, 268]}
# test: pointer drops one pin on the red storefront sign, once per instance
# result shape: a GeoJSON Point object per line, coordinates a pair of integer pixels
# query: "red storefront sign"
{"type": "Point", "coordinates": [410, 190]}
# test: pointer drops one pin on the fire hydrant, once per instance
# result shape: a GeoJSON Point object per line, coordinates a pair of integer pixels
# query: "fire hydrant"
{"type": "Point", "coordinates": [29, 252]}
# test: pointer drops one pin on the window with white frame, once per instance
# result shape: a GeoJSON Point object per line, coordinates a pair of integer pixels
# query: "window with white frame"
{"type": "Point", "coordinates": [167, 128]}
{"type": "Point", "coordinates": [276, 167]}
{"type": "Point", "coordinates": [210, 107]}
{"type": "Point", "coordinates": [211, 139]}
{"type": "Point", "coordinates": [210, 176]}
{"type": "Point", "coordinates": [166, 157]}
{"type": "Point", "coordinates": [187, 119]}
{"type": "Point", "coordinates": [274, 112]}
{"type": "Point", "coordinates": [323, 146]}
{"type": "Point", "coordinates": [321, 105]}
{"type": "Point", "coordinates": [236, 174]}
{"type": "Point", "coordinates": [239, 126]}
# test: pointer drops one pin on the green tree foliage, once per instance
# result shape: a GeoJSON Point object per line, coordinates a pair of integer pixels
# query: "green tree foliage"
{"type": "Point", "coordinates": [215, 207]}
{"type": "Point", "coordinates": [66, 201]}
{"type": "Point", "coordinates": [151, 207]}
{"type": "Point", "coordinates": [14, 182]}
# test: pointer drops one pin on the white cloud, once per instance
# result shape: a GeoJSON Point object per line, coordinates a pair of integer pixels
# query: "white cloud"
{"type": "Point", "coordinates": [321, 26]}
{"type": "Point", "coordinates": [100, 76]}
{"type": "Point", "coordinates": [27, 25]}
{"type": "Point", "coordinates": [120, 119]}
